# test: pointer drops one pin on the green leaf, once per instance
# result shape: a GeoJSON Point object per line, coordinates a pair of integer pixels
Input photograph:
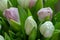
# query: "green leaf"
{"type": "Point", "coordinates": [56, 35]}
{"type": "Point", "coordinates": [29, 13]}
{"type": "Point", "coordinates": [4, 24]}
{"type": "Point", "coordinates": [39, 4]}
{"type": "Point", "coordinates": [57, 17]}
{"type": "Point", "coordinates": [1, 15]}
{"type": "Point", "coordinates": [19, 34]}
{"type": "Point", "coordinates": [12, 35]}
{"type": "Point", "coordinates": [7, 36]}
{"type": "Point", "coordinates": [50, 3]}
{"type": "Point", "coordinates": [23, 17]}
{"type": "Point", "coordinates": [57, 25]}
{"type": "Point", "coordinates": [9, 4]}
{"type": "Point", "coordinates": [33, 34]}
{"type": "Point", "coordinates": [18, 39]}
{"type": "Point", "coordinates": [14, 25]}
{"type": "Point", "coordinates": [14, 3]}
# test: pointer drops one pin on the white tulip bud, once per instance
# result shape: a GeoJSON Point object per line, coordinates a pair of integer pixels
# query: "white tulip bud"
{"type": "Point", "coordinates": [29, 25]}
{"type": "Point", "coordinates": [12, 13]}
{"type": "Point", "coordinates": [47, 29]}
{"type": "Point", "coordinates": [45, 12]}
{"type": "Point", "coordinates": [3, 4]}
{"type": "Point", "coordinates": [27, 3]}
{"type": "Point", "coordinates": [1, 37]}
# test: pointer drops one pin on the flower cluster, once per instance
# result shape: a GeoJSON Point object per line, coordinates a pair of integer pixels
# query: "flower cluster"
{"type": "Point", "coordinates": [29, 20]}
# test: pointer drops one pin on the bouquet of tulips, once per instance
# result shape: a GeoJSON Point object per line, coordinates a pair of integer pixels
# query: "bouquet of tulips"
{"type": "Point", "coordinates": [29, 20]}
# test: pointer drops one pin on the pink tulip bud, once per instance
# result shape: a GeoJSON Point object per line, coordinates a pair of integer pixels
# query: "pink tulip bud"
{"type": "Point", "coordinates": [12, 13]}
{"type": "Point", "coordinates": [27, 3]}
{"type": "Point", "coordinates": [32, 3]}
{"type": "Point", "coordinates": [45, 12]}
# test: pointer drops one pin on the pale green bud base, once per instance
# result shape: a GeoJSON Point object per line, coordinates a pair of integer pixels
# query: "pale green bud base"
{"type": "Point", "coordinates": [15, 26]}
{"type": "Point", "coordinates": [33, 34]}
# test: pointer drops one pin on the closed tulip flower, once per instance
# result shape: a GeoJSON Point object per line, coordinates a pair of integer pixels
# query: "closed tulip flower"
{"type": "Point", "coordinates": [44, 13]}
{"type": "Point", "coordinates": [3, 4]}
{"type": "Point", "coordinates": [29, 25]}
{"type": "Point", "coordinates": [1, 38]}
{"type": "Point", "coordinates": [27, 3]}
{"type": "Point", "coordinates": [12, 16]}
{"type": "Point", "coordinates": [47, 29]}
{"type": "Point", "coordinates": [12, 13]}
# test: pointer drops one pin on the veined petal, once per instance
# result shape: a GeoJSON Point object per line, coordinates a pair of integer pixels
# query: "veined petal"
{"type": "Point", "coordinates": [29, 25]}
{"type": "Point", "coordinates": [47, 29]}
{"type": "Point", "coordinates": [45, 12]}
{"type": "Point", "coordinates": [3, 4]}
{"type": "Point", "coordinates": [12, 13]}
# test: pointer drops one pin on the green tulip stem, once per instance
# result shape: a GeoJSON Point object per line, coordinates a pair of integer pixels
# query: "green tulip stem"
{"type": "Point", "coordinates": [10, 4]}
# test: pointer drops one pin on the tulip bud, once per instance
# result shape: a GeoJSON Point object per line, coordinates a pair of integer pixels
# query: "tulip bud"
{"type": "Point", "coordinates": [27, 3]}
{"type": "Point", "coordinates": [45, 12]}
{"type": "Point", "coordinates": [47, 29]}
{"type": "Point", "coordinates": [1, 37]}
{"type": "Point", "coordinates": [12, 16]}
{"type": "Point", "coordinates": [32, 3]}
{"type": "Point", "coordinates": [3, 4]}
{"type": "Point", "coordinates": [30, 24]}
{"type": "Point", "coordinates": [12, 13]}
